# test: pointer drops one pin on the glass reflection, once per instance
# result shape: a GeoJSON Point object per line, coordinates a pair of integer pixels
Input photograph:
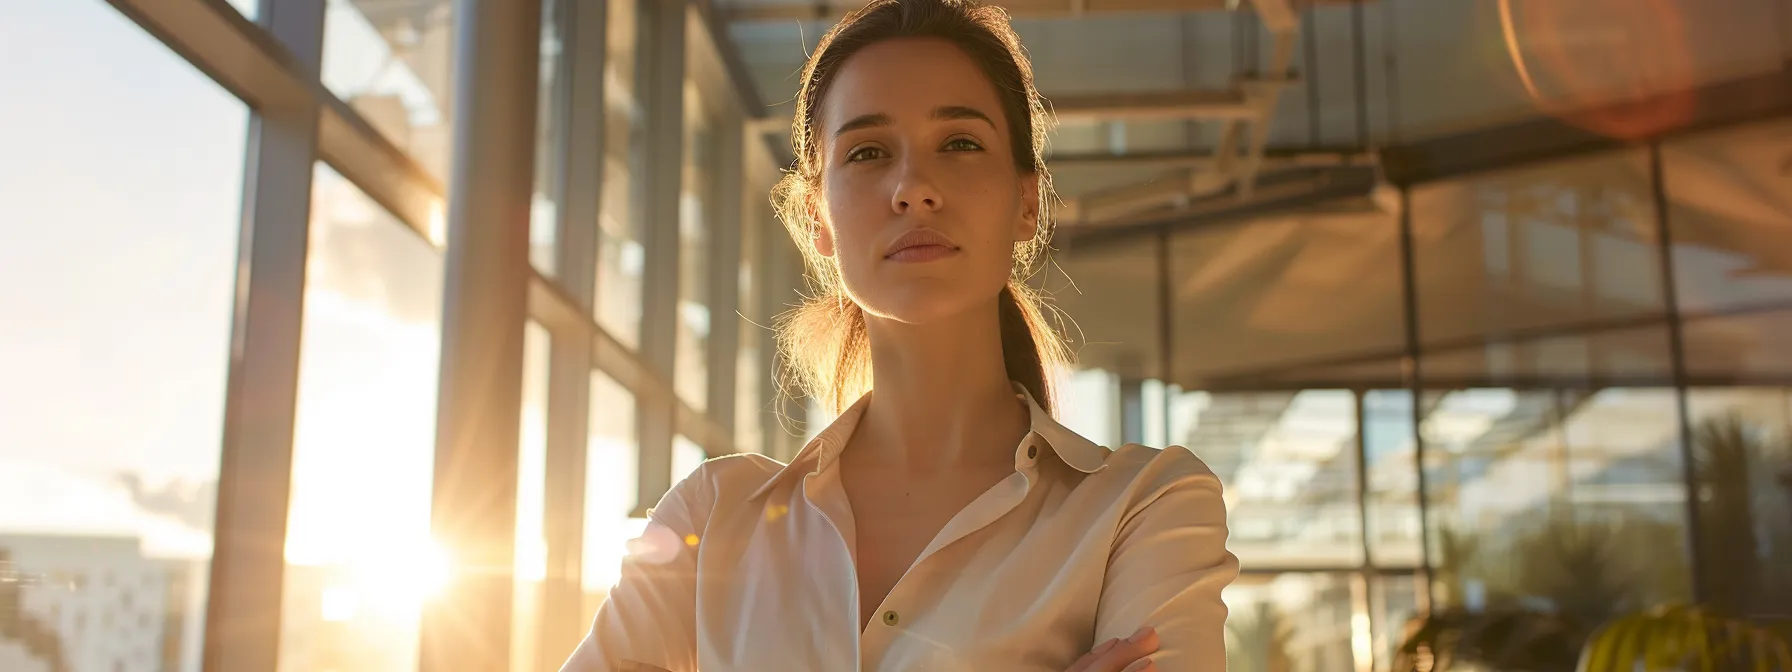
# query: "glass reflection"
{"type": "Point", "coordinates": [531, 503]}
{"type": "Point", "coordinates": [620, 254]}
{"type": "Point", "coordinates": [550, 136]}
{"type": "Point", "coordinates": [121, 184]}
{"type": "Point", "coordinates": [359, 568]}
{"type": "Point", "coordinates": [610, 489]}
{"type": "Point", "coordinates": [1565, 498]}
{"type": "Point", "coordinates": [1742, 445]}
{"type": "Point", "coordinates": [1288, 463]}
{"type": "Point", "coordinates": [1290, 621]}
{"type": "Point", "coordinates": [1730, 208]}
{"type": "Point", "coordinates": [393, 63]}
{"type": "Point", "coordinates": [695, 201]}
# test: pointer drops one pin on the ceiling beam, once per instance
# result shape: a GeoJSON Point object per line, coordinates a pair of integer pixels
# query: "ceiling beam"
{"type": "Point", "coordinates": [1191, 104]}
{"type": "Point", "coordinates": [1274, 157]}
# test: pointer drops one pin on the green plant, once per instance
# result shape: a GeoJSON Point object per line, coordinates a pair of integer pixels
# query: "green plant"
{"type": "Point", "coordinates": [1735, 462]}
{"type": "Point", "coordinates": [1505, 638]}
{"type": "Point", "coordinates": [1259, 643]}
{"type": "Point", "coordinates": [1684, 638]}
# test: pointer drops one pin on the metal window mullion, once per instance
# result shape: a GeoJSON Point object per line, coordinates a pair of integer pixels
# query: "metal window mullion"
{"type": "Point", "coordinates": [580, 81]}
{"type": "Point", "coordinates": [1416, 383]}
{"type": "Point", "coordinates": [1670, 294]}
{"type": "Point", "coordinates": [661, 76]}
{"type": "Point", "coordinates": [485, 304]}
{"type": "Point", "coordinates": [563, 523]}
{"type": "Point", "coordinates": [242, 623]}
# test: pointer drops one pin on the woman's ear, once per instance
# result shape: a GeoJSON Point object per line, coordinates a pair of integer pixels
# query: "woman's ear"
{"type": "Point", "coordinates": [819, 234]}
{"type": "Point", "coordinates": [1028, 226]}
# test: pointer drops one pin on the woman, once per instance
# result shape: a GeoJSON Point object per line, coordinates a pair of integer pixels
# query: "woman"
{"type": "Point", "coordinates": [945, 521]}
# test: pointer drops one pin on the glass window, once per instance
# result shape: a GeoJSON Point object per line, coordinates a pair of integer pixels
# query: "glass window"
{"type": "Point", "coordinates": [695, 201]}
{"type": "Point", "coordinates": [1730, 215]}
{"type": "Point", "coordinates": [550, 137]}
{"type": "Point", "coordinates": [1562, 497]}
{"type": "Point", "coordinates": [1742, 450]}
{"type": "Point", "coordinates": [1392, 479]}
{"type": "Point", "coordinates": [1288, 463]}
{"type": "Point", "coordinates": [1393, 603]}
{"type": "Point", "coordinates": [393, 63]}
{"type": "Point", "coordinates": [121, 189]}
{"type": "Point", "coordinates": [610, 489]}
{"type": "Point", "coordinates": [1306, 300]}
{"type": "Point", "coordinates": [1290, 621]}
{"type": "Point", "coordinates": [1109, 296]}
{"type": "Point", "coordinates": [531, 503]}
{"type": "Point", "coordinates": [620, 255]}
{"type": "Point", "coordinates": [1548, 275]}
{"type": "Point", "coordinates": [248, 8]}
{"type": "Point", "coordinates": [686, 457]}
{"type": "Point", "coordinates": [359, 568]}
{"type": "Point", "coordinates": [1468, 64]}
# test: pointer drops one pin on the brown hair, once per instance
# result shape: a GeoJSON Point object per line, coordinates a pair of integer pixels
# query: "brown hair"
{"type": "Point", "coordinates": [823, 340]}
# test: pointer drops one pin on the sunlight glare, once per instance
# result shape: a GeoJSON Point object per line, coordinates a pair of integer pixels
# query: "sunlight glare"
{"type": "Point", "coordinates": [404, 580]}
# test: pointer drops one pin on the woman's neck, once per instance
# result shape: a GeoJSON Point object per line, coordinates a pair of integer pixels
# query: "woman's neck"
{"type": "Point", "coordinates": [941, 395]}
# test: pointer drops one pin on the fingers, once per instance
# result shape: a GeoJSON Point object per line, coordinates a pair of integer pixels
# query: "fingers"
{"type": "Point", "coordinates": [1082, 664]}
{"type": "Point", "coordinates": [1121, 655]}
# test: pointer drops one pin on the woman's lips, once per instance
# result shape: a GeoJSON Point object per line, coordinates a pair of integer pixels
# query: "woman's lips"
{"type": "Point", "coordinates": [922, 253]}
{"type": "Point", "coordinates": [921, 245]}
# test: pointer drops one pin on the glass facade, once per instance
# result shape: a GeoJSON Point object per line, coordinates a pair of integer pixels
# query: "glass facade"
{"type": "Point", "coordinates": [620, 231]}
{"type": "Point", "coordinates": [1601, 423]}
{"type": "Point", "coordinates": [1570, 354]}
{"type": "Point", "coordinates": [393, 62]}
{"type": "Point", "coordinates": [117, 281]}
{"type": "Point", "coordinates": [359, 567]}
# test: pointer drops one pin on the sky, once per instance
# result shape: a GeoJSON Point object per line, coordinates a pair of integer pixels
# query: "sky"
{"type": "Point", "coordinates": [120, 199]}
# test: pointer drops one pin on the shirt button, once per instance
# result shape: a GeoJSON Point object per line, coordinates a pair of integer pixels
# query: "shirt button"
{"type": "Point", "coordinates": [890, 618]}
{"type": "Point", "coordinates": [1032, 452]}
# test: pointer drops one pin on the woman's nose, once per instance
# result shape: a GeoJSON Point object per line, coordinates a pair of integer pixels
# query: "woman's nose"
{"type": "Point", "coordinates": [915, 189]}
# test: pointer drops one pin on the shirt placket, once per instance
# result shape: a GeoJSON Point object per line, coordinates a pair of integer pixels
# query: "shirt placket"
{"type": "Point", "coordinates": [887, 627]}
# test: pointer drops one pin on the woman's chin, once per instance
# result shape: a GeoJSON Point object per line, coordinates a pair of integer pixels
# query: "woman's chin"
{"type": "Point", "coordinates": [920, 306]}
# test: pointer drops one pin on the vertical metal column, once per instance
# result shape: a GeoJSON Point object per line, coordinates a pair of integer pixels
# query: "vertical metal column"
{"type": "Point", "coordinates": [661, 81]}
{"type": "Point", "coordinates": [1364, 601]}
{"type": "Point", "coordinates": [1677, 357]}
{"type": "Point", "coordinates": [1416, 383]}
{"type": "Point", "coordinates": [248, 568]}
{"type": "Point", "coordinates": [583, 30]}
{"type": "Point", "coordinates": [485, 302]}
{"type": "Point", "coordinates": [724, 270]}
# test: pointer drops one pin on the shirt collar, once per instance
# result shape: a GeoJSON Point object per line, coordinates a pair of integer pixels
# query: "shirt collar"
{"type": "Point", "coordinates": [1044, 431]}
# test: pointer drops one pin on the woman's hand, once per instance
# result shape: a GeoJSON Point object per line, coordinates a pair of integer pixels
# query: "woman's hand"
{"type": "Point", "coordinates": [1121, 655]}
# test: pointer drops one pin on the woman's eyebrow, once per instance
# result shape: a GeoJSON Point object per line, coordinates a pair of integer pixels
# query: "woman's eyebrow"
{"type": "Point", "coordinates": [951, 112]}
{"type": "Point", "coordinates": [941, 113]}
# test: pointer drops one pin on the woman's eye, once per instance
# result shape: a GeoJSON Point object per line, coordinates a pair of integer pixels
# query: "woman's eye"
{"type": "Point", "coordinates": [864, 154]}
{"type": "Point", "coordinates": [962, 145]}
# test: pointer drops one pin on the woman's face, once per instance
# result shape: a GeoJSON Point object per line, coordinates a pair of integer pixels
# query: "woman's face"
{"type": "Point", "coordinates": [921, 203]}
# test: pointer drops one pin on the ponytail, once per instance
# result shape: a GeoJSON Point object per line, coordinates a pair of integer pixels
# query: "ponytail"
{"type": "Point", "coordinates": [827, 350]}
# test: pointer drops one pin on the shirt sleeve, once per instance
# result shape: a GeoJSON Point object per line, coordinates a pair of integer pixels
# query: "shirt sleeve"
{"type": "Point", "coordinates": [1169, 565]}
{"type": "Point", "coordinates": [648, 622]}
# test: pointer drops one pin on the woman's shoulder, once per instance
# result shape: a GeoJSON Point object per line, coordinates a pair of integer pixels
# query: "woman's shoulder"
{"type": "Point", "coordinates": [1143, 474]}
{"type": "Point", "coordinates": [733, 474]}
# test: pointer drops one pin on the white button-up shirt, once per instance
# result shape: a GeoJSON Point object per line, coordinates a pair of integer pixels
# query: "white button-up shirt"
{"type": "Point", "coordinates": [747, 564]}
